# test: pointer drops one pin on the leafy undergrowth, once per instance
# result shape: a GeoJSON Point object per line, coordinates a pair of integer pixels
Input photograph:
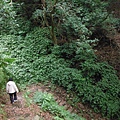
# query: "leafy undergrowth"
{"type": "Point", "coordinates": [26, 109]}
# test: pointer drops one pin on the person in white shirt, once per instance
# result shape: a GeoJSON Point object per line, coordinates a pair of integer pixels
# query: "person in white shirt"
{"type": "Point", "coordinates": [12, 90]}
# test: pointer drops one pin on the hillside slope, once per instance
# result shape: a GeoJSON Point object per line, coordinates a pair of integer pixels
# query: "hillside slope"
{"type": "Point", "coordinates": [25, 109]}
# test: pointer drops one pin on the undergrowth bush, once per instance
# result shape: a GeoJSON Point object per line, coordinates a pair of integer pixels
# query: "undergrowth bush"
{"type": "Point", "coordinates": [72, 65]}
{"type": "Point", "coordinates": [2, 79]}
{"type": "Point", "coordinates": [75, 53]}
{"type": "Point", "coordinates": [46, 64]}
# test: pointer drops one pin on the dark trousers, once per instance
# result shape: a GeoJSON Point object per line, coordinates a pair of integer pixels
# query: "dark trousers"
{"type": "Point", "coordinates": [13, 96]}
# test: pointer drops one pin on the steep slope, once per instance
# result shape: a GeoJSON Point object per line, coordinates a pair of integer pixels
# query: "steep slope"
{"type": "Point", "coordinates": [25, 109]}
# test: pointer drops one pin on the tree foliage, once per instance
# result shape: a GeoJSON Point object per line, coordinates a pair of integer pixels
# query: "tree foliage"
{"type": "Point", "coordinates": [69, 20]}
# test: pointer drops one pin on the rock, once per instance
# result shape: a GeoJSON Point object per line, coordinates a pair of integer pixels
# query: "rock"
{"type": "Point", "coordinates": [36, 118]}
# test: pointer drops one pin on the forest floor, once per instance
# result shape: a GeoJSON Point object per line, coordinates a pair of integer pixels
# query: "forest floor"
{"type": "Point", "coordinates": [109, 51]}
{"type": "Point", "coordinates": [24, 110]}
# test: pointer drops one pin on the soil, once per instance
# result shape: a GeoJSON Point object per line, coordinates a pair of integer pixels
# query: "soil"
{"type": "Point", "coordinates": [20, 110]}
{"type": "Point", "coordinates": [110, 51]}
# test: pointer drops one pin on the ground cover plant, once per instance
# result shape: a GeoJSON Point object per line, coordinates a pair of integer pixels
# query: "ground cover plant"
{"type": "Point", "coordinates": [47, 103]}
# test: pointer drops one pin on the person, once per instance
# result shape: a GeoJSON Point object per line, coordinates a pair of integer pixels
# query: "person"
{"type": "Point", "coordinates": [12, 90]}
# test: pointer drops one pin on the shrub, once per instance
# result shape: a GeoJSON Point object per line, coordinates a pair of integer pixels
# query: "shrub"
{"type": "Point", "coordinates": [95, 82]}
{"type": "Point", "coordinates": [75, 53]}
{"type": "Point", "coordinates": [46, 64]}
{"type": "Point", "coordinates": [7, 21]}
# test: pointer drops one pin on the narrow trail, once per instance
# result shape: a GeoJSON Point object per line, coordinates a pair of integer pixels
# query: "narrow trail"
{"type": "Point", "coordinates": [22, 110]}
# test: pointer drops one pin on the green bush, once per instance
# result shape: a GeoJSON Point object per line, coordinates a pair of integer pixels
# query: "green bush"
{"type": "Point", "coordinates": [75, 53]}
{"type": "Point", "coordinates": [95, 82]}
{"type": "Point", "coordinates": [81, 18]}
{"type": "Point", "coordinates": [46, 64]}
{"type": "Point", "coordinates": [2, 79]}
{"type": "Point", "coordinates": [117, 24]}
{"type": "Point", "coordinates": [71, 19]}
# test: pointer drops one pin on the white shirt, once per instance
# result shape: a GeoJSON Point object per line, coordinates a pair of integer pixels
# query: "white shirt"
{"type": "Point", "coordinates": [11, 87]}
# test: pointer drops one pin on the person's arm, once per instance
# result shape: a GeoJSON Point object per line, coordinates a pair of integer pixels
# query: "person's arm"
{"type": "Point", "coordinates": [7, 89]}
{"type": "Point", "coordinates": [16, 89]}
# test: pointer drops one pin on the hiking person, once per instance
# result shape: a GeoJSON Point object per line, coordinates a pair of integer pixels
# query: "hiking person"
{"type": "Point", "coordinates": [12, 90]}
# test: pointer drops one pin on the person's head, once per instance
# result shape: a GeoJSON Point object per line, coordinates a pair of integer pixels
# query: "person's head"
{"type": "Point", "coordinates": [10, 79]}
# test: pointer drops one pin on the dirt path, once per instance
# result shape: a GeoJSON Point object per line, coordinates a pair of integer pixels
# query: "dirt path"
{"type": "Point", "coordinates": [24, 110]}
{"type": "Point", "coordinates": [20, 110]}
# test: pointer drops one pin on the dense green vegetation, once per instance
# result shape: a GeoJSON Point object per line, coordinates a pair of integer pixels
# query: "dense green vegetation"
{"type": "Point", "coordinates": [47, 103]}
{"type": "Point", "coordinates": [5, 60]}
{"type": "Point", "coordinates": [54, 42]}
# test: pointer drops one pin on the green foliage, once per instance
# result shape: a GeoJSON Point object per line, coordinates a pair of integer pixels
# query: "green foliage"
{"type": "Point", "coordinates": [73, 27]}
{"type": "Point", "coordinates": [2, 112]}
{"type": "Point", "coordinates": [96, 83]}
{"type": "Point", "coordinates": [38, 60]}
{"type": "Point", "coordinates": [23, 26]}
{"type": "Point", "coordinates": [28, 100]}
{"type": "Point", "coordinates": [48, 103]}
{"type": "Point", "coordinates": [75, 53]}
{"type": "Point", "coordinates": [11, 22]}
{"type": "Point", "coordinates": [72, 65]}
{"type": "Point", "coordinates": [2, 79]}
{"type": "Point", "coordinates": [7, 21]}
{"type": "Point", "coordinates": [5, 60]}
{"type": "Point", "coordinates": [85, 17]}
{"type": "Point", "coordinates": [35, 45]}
{"type": "Point", "coordinates": [45, 65]}
{"type": "Point", "coordinates": [117, 24]}
{"type": "Point", "coordinates": [66, 77]}
{"type": "Point", "coordinates": [73, 19]}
